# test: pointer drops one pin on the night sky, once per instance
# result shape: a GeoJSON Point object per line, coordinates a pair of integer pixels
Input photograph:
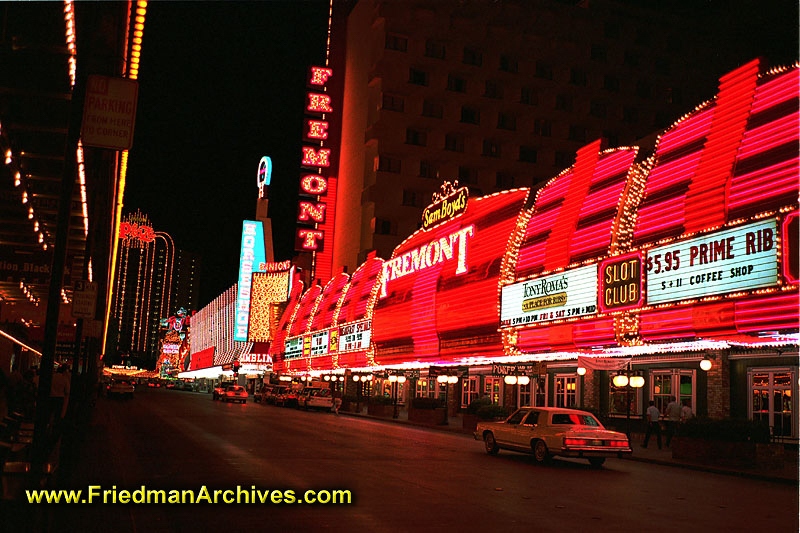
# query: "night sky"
{"type": "Point", "coordinates": [223, 84]}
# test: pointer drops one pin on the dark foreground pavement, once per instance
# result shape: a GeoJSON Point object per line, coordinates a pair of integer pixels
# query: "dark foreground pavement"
{"type": "Point", "coordinates": [402, 478]}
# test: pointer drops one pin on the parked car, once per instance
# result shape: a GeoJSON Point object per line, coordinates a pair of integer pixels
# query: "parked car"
{"type": "Point", "coordinates": [219, 391]}
{"type": "Point", "coordinates": [260, 396]}
{"type": "Point", "coordinates": [120, 387]}
{"type": "Point", "coordinates": [272, 395]}
{"type": "Point", "coordinates": [318, 399]}
{"type": "Point", "coordinates": [304, 395]}
{"type": "Point", "coordinates": [235, 393]}
{"type": "Point", "coordinates": [188, 386]}
{"type": "Point", "coordinates": [287, 398]}
{"type": "Point", "coordinates": [153, 384]}
{"type": "Point", "coordinates": [550, 431]}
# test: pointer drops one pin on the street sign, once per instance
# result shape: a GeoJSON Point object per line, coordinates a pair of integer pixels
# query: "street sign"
{"type": "Point", "coordinates": [109, 112]}
{"type": "Point", "coordinates": [84, 299]}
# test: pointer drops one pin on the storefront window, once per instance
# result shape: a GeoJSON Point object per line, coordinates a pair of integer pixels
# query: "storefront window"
{"type": "Point", "coordinates": [666, 384]}
{"type": "Point", "coordinates": [430, 388]}
{"type": "Point", "coordinates": [567, 391]}
{"type": "Point", "coordinates": [771, 400]}
{"type": "Point", "coordinates": [492, 388]}
{"type": "Point", "coordinates": [621, 397]}
{"type": "Point", "coordinates": [539, 385]}
{"type": "Point", "coordinates": [524, 398]}
{"type": "Point", "coordinates": [469, 390]}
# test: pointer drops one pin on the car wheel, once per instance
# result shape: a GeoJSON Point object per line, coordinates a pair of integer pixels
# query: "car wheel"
{"type": "Point", "coordinates": [597, 462]}
{"type": "Point", "coordinates": [540, 453]}
{"type": "Point", "coordinates": [491, 444]}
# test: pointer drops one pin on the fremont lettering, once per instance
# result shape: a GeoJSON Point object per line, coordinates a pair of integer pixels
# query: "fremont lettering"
{"type": "Point", "coordinates": [429, 255]}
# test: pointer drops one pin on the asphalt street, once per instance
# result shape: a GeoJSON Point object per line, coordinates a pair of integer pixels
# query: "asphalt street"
{"type": "Point", "coordinates": [402, 478]}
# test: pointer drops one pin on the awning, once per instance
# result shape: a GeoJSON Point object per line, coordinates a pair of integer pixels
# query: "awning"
{"type": "Point", "coordinates": [211, 372]}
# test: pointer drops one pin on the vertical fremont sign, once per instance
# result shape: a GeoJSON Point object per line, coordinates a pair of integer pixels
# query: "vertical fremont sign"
{"type": "Point", "coordinates": [317, 187]}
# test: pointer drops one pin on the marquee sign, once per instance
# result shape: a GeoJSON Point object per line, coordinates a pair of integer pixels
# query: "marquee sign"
{"type": "Point", "coordinates": [445, 207]}
{"type": "Point", "coordinates": [355, 336]}
{"type": "Point", "coordinates": [294, 348]}
{"type": "Point", "coordinates": [737, 259]}
{"type": "Point", "coordinates": [559, 296]}
{"type": "Point", "coordinates": [252, 258]}
{"type": "Point", "coordinates": [319, 343]}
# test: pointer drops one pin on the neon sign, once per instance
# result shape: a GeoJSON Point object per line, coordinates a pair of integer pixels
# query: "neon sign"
{"type": "Point", "coordinates": [445, 208]}
{"type": "Point", "coordinates": [264, 175]}
{"type": "Point", "coordinates": [315, 215]}
{"type": "Point", "coordinates": [621, 283]}
{"type": "Point", "coordinates": [132, 230]}
{"type": "Point", "coordinates": [731, 260]}
{"type": "Point", "coordinates": [428, 255]}
{"type": "Point", "coordinates": [252, 258]}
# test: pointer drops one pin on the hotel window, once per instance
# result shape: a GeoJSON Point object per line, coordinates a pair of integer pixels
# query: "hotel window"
{"type": "Point", "coordinates": [383, 227]}
{"type": "Point", "coordinates": [664, 384]}
{"type": "Point", "coordinates": [432, 109]}
{"type": "Point", "coordinates": [434, 49]}
{"type": "Point", "coordinates": [493, 388]}
{"type": "Point", "coordinates": [611, 138]}
{"type": "Point", "coordinates": [417, 77]}
{"type": "Point", "coordinates": [396, 42]}
{"type": "Point", "coordinates": [611, 30]}
{"type": "Point", "coordinates": [564, 159]}
{"type": "Point", "coordinates": [416, 137]}
{"type": "Point", "coordinates": [388, 164]}
{"type": "Point", "coordinates": [771, 392]}
{"type": "Point", "coordinates": [504, 180]}
{"type": "Point", "coordinates": [577, 77]}
{"type": "Point", "coordinates": [469, 390]}
{"type": "Point", "coordinates": [566, 390]}
{"type": "Point", "coordinates": [470, 115]}
{"type": "Point", "coordinates": [467, 175]}
{"type": "Point", "coordinates": [493, 89]}
{"type": "Point", "coordinates": [427, 170]}
{"type": "Point", "coordinates": [411, 198]}
{"type": "Point", "coordinates": [631, 59]}
{"type": "Point", "coordinates": [528, 96]}
{"type": "Point", "coordinates": [454, 83]}
{"type": "Point", "coordinates": [454, 142]}
{"type": "Point", "coordinates": [544, 70]}
{"type": "Point", "coordinates": [599, 53]}
{"type": "Point", "coordinates": [542, 127]}
{"type": "Point", "coordinates": [506, 121]}
{"type": "Point", "coordinates": [643, 89]}
{"type": "Point", "coordinates": [528, 154]}
{"type": "Point", "coordinates": [630, 114]}
{"type": "Point", "coordinates": [564, 102]}
{"type": "Point", "coordinates": [508, 63]}
{"type": "Point", "coordinates": [598, 109]}
{"type": "Point", "coordinates": [611, 83]}
{"type": "Point", "coordinates": [472, 57]}
{"type": "Point", "coordinates": [491, 148]}
{"type": "Point", "coordinates": [393, 103]}
{"type": "Point", "coordinates": [577, 133]}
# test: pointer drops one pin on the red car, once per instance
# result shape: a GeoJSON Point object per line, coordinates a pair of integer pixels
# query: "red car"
{"type": "Point", "coordinates": [235, 393]}
{"type": "Point", "coordinates": [219, 392]}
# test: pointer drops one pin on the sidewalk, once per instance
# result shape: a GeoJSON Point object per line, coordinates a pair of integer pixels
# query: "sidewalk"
{"type": "Point", "coordinates": [787, 474]}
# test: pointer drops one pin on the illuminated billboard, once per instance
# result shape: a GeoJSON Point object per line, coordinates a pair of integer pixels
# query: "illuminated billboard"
{"type": "Point", "coordinates": [252, 258]}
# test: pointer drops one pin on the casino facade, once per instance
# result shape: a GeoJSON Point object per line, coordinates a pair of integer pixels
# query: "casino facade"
{"type": "Point", "coordinates": [680, 267]}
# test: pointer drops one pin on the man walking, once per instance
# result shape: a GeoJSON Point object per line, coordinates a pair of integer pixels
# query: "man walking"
{"type": "Point", "coordinates": [673, 414]}
{"type": "Point", "coordinates": [653, 414]}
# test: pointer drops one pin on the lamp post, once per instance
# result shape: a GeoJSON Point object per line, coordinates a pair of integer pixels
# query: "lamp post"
{"type": "Point", "coordinates": [628, 381]}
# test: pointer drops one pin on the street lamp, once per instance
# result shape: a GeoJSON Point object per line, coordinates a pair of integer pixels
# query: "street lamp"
{"type": "Point", "coordinates": [705, 364]}
{"type": "Point", "coordinates": [629, 382]}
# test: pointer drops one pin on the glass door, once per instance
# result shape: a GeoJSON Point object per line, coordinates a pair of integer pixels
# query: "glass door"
{"type": "Point", "coordinates": [771, 392]}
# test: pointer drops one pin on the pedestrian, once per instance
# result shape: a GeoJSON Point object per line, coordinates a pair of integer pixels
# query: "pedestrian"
{"type": "Point", "coordinates": [653, 425]}
{"type": "Point", "coordinates": [686, 411]}
{"type": "Point", "coordinates": [337, 403]}
{"type": "Point", "coordinates": [673, 418]}
{"type": "Point", "coordinates": [59, 397]}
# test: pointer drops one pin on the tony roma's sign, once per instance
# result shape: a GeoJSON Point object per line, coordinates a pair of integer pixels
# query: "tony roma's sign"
{"type": "Point", "coordinates": [737, 259]}
{"type": "Point", "coordinates": [564, 295]}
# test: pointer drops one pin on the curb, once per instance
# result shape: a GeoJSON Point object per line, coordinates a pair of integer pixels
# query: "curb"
{"type": "Point", "coordinates": [688, 466]}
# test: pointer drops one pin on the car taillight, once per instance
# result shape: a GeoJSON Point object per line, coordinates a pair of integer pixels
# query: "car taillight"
{"type": "Point", "coordinates": [568, 441]}
{"type": "Point", "coordinates": [618, 443]}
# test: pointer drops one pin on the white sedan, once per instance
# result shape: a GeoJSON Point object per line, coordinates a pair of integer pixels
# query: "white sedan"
{"type": "Point", "coordinates": [549, 431]}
